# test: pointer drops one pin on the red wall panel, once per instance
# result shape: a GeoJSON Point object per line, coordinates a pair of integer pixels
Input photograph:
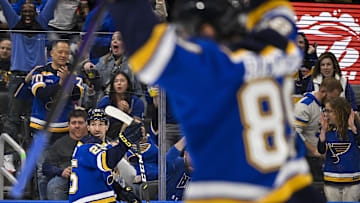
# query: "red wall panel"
{"type": "Point", "coordinates": [336, 28]}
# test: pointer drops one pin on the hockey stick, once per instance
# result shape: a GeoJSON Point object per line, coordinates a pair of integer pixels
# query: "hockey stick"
{"type": "Point", "coordinates": [41, 138]}
{"type": "Point", "coordinates": [120, 115]}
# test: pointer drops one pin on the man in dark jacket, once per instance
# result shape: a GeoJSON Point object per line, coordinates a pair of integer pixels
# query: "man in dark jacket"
{"type": "Point", "coordinates": [57, 165]}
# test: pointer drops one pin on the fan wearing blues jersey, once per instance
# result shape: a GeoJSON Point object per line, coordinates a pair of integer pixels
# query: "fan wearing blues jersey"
{"type": "Point", "coordinates": [339, 140]}
{"type": "Point", "coordinates": [235, 99]}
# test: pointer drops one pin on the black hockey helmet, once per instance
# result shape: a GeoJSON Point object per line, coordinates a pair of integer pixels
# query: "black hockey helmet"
{"type": "Point", "coordinates": [226, 16]}
{"type": "Point", "coordinates": [97, 114]}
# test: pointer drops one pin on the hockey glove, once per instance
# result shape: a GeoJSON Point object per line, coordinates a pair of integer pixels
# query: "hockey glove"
{"type": "Point", "coordinates": [131, 135]}
{"type": "Point", "coordinates": [125, 194]}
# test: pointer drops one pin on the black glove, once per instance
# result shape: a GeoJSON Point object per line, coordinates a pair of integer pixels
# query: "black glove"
{"type": "Point", "coordinates": [132, 134]}
{"type": "Point", "coordinates": [125, 194]}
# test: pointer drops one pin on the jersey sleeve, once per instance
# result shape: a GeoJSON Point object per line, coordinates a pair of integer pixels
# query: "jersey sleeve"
{"type": "Point", "coordinates": [302, 117]}
{"type": "Point", "coordinates": [39, 88]}
{"type": "Point", "coordinates": [78, 90]}
{"type": "Point", "coordinates": [93, 156]}
{"type": "Point", "coordinates": [37, 82]}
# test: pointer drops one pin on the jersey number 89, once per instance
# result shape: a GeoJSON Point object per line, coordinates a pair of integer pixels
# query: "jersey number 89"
{"type": "Point", "coordinates": [263, 106]}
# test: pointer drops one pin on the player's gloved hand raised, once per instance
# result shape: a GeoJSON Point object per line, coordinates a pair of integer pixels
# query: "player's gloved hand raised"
{"type": "Point", "coordinates": [132, 134]}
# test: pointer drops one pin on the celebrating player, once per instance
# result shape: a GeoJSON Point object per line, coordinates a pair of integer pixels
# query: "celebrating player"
{"type": "Point", "coordinates": [235, 101]}
{"type": "Point", "coordinates": [92, 176]}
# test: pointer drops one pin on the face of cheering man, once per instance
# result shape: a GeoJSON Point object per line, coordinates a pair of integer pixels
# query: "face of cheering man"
{"type": "Point", "coordinates": [28, 13]}
{"type": "Point", "coordinates": [98, 128]}
{"type": "Point", "coordinates": [60, 54]}
{"type": "Point", "coordinates": [5, 49]}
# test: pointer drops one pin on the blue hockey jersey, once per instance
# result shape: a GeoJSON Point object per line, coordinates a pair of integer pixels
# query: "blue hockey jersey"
{"type": "Point", "coordinates": [234, 107]}
{"type": "Point", "coordinates": [44, 86]}
{"type": "Point", "coordinates": [342, 163]}
{"type": "Point", "coordinates": [177, 177]}
{"type": "Point", "coordinates": [89, 160]}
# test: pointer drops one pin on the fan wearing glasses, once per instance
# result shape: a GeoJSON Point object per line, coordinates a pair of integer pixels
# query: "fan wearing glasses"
{"type": "Point", "coordinates": [339, 142]}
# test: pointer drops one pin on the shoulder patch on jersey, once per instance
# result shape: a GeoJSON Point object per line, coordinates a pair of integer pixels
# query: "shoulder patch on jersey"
{"type": "Point", "coordinates": [307, 101]}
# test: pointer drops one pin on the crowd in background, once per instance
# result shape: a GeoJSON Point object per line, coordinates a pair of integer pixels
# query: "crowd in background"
{"type": "Point", "coordinates": [34, 65]}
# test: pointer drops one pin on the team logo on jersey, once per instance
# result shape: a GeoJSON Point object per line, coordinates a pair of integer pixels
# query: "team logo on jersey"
{"type": "Point", "coordinates": [49, 104]}
{"type": "Point", "coordinates": [184, 181]}
{"type": "Point", "coordinates": [338, 149]}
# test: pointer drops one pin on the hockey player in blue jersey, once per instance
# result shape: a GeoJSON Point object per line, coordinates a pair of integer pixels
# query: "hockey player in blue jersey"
{"type": "Point", "coordinates": [92, 176]}
{"type": "Point", "coordinates": [339, 140]}
{"type": "Point", "coordinates": [233, 100]}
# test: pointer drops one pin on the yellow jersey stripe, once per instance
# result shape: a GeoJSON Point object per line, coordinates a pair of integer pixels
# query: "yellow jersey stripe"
{"type": "Point", "coordinates": [256, 14]}
{"type": "Point", "coordinates": [300, 123]}
{"type": "Point", "coordinates": [103, 160]}
{"type": "Point", "coordinates": [217, 201]}
{"type": "Point", "coordinates": [55, 130]}
{"type": "Point", "coordinates": [18, 89]}
{"type": "Point", "coordinates": [293, 185]}
{"type": "Point", "coordinates": [152, 128]}
{"type": "Point", "coordinates": [280, 194]}
{"type": "Point", "coordinates": [291, 47]}
{"type": "Point", "coordinates": [267, 50]}
{"type": "Point", "coordinates": [110, 199]}
{"type": "Point", "coordinates": [46, 73]}
{"type": "Point", "coordinates": [341, 180]}
{"type": "Point", "coordinates": [81, 91]}
{"type": "Point", "coordinates": [35, 87]}
{"type": "Point", "coordinates": [141, 57]}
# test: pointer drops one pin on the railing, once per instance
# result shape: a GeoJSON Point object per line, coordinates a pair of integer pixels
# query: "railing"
{"type": "Point", "coordinates": [3, 172]}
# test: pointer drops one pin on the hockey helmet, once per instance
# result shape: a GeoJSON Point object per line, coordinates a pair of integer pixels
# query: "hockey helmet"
{"type": "Point", "coordinates": [226, 16]}
{"type": "Point", "coordinates": [97, 114]}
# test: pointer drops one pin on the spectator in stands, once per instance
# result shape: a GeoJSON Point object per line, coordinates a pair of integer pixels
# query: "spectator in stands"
{"type": "Point", "coordinates": [28, 51]}
{"type": "Point", "coordinates": [65, 17]}
{"type": "Point", "coordinates": [102, 41]}
{"type": "Point", "coordinates": [46, 82]}
{"type": "Point", "coordinates": [339, 140]}
{"type": "Point", "coordinates": [309, 50]}
{"type": "Point", "coordinates": [328, 66]}
{"type": "Point", "coordinates": [121, 96]}
{"type": "Point", "coordinates": [178, 171]}
{"type": "Point", "coordinates": [303, 76]}
{"type": "Point", "coordinates": [307, 123]}
{"type": "Point", "coordinates": [5, 54]}
{"type": "Point", "coordinates": [113, 61]}
{"type": "Point", "coordinates": [57, 164]}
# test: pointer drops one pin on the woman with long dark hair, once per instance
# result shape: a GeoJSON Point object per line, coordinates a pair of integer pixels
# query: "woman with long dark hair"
{"type": "Point", "coordinates": [328, 66]}
{"type": "Point", "coordinates": [122, 96]}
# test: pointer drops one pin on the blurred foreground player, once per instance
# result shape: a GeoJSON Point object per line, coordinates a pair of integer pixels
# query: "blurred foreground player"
{"type": "Point", "coordinates": [93, 177]}
{"type": "Point", "coordinates": [235, 102]}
